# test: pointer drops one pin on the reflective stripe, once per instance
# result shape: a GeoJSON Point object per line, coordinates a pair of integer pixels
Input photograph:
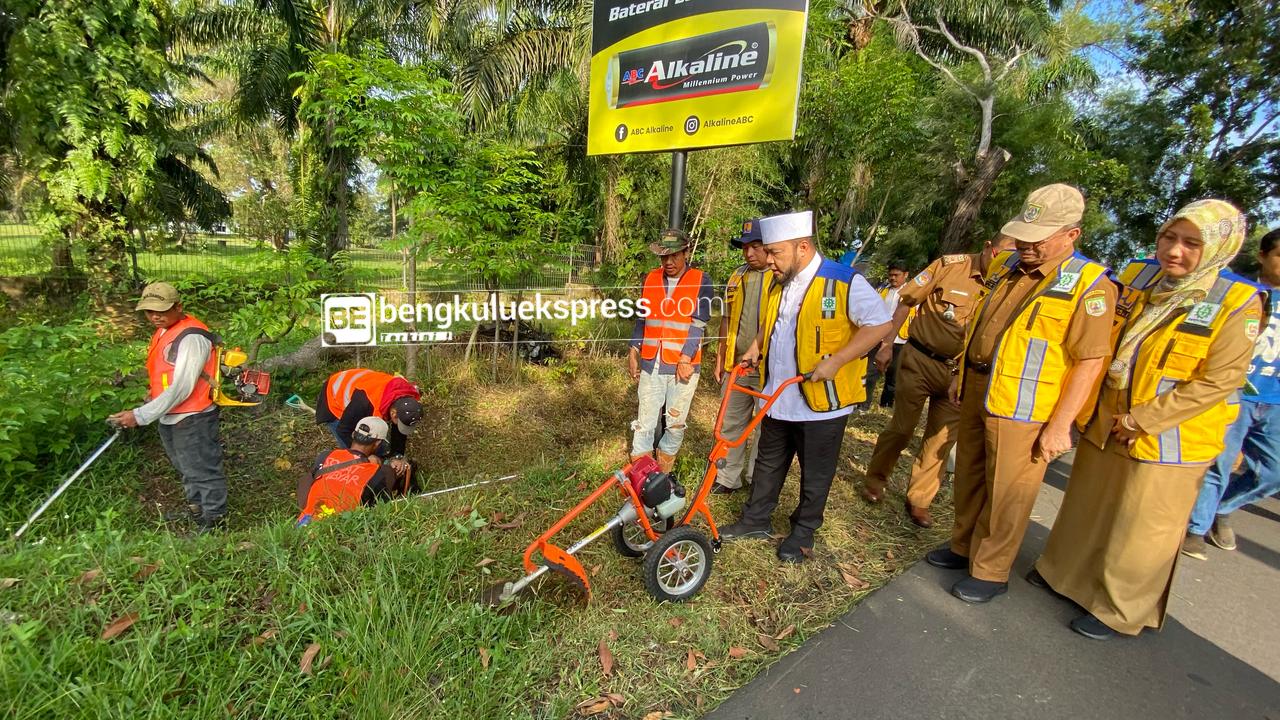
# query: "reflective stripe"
{"type": "Point", "coordinates": [1145, 276]}
{"type": "Point", "coordinates": [832, 397]}
{"type": "Point", "coordinates": [1170, 442]}
{"type": "Point", "coordinates": [1219, 291]}
{"type": "Point", "coordinates": [1031, 368]}
{"type": "Point", "coordinates": [672, 324]}
{"type": "Point", "coordinates": [650, 341]}
{"type": "Point", "coordinates": [351, 387]}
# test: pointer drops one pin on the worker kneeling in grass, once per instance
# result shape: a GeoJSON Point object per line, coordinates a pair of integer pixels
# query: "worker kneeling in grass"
{"type": "Point", "coordinates": [347, 478]}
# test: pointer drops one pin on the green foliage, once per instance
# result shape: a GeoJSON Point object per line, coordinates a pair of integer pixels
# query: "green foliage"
{"type": "Point", "coordinates": [1203, 122]}
{"type": "Point", "coordinates": [59, 385]}
{"type": "Point", "coordinates": [91, 90]}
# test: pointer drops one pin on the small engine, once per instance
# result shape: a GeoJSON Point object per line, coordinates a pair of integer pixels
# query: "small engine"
{"type": "Point", "coordinates": [659, 491]}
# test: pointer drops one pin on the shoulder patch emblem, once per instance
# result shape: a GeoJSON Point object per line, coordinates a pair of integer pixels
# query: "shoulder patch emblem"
{"type": "Point", "coordinates": [923, 279]}
{"type": "Point", "coordinates": [1095, 304]}
{"type": "Point", "coordinates": [1251, 328]}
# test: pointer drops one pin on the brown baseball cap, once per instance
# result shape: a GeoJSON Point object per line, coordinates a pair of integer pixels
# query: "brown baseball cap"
{"type": "Point", "coordinates": [1046, 211]}
{"type": "Point", "coordinates": [159, 297]}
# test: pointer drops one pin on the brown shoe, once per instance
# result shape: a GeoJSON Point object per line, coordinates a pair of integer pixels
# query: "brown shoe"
{"type": "Point", "coordinates": [920, 516]}
{"type": "Point", "coordinates": [870, 494]}
{"type": "Point", "coordinates": [666, 462]}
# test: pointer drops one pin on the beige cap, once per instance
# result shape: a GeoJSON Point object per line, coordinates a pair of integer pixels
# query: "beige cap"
{"type": "Point", "coordinates": [1046, 211]}
{"type": "Point", "coordinates": [373, 427]}
{"type": "Point", "coordinates": [158, 296]}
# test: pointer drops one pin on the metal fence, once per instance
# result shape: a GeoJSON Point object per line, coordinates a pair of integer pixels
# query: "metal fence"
{"type": "Point", "coordinates": [24, 252]}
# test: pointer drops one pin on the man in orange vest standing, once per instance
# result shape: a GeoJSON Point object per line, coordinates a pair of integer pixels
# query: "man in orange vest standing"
{"type": "Point", "coordinates": [666, 347]}
{"type": "Point", "coordinates": [181, 362]}
{"type": "Point", "coordinates": [349, 396]}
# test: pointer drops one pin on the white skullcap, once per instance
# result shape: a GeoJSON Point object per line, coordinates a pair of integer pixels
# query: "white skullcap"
{"type": "Point", "coordinates": [787, 226]}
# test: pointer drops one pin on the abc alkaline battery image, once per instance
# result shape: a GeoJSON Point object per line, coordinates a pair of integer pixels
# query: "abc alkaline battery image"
{"type": "Point", "coordinates": [733, 60]}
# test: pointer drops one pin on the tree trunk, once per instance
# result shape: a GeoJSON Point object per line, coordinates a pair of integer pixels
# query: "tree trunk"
{"type": "Point", "coordinates": [957, 232]}
{"type": "Point", "coordinates": [611, 238]}
{"type": "Point", "coordinates": [515, 340]}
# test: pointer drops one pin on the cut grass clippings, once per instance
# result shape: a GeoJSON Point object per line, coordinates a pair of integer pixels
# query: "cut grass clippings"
{"type": "Point", "coordinates": [375, 613]}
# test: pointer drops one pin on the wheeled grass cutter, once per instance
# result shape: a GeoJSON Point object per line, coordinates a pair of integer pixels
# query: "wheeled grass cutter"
{"type": "Point", "coordinates": [653, 523]}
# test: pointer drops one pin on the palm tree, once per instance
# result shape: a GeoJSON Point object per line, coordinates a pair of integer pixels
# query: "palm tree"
{"type": "Point", "coordinates": [266, 46]}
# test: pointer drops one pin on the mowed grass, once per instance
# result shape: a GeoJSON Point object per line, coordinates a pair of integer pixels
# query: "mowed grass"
{"type": "Point", "coordinates": [376, 613]}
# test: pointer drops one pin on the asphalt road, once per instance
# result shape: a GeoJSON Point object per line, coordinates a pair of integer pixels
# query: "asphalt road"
{"type": "Point", "coordinates": [910, 650]}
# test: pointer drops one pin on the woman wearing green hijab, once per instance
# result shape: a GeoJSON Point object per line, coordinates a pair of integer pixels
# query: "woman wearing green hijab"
{"type": "Point", "coordinates": [1166, 401]}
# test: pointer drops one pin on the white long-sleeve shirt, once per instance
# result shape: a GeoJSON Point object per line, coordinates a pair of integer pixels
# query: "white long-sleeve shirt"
{"type": "Point", "coordinates": [193, 352]}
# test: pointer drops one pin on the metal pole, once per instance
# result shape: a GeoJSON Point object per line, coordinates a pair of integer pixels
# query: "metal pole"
{"type": "Point", "coordinates": [675, 211]}
{"type": "Point", "coordinates": [66, 484]}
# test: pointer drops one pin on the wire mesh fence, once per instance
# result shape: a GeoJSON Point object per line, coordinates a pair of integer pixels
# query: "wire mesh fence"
{"type": "Point", "coordinates": [25, 252]}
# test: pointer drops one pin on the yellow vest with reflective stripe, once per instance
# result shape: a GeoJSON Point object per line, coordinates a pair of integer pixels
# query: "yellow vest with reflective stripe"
{"type": "Point", "coordinates": [822, 328]}
{"type": "Point", "coordinates": [1176, 352]}
{"type": "Point", "coordinates": [1030, 363]}
{"type": "Point", "coordinates": [906, 323]}
{"type": "Point", "coordinates": [735, 299]}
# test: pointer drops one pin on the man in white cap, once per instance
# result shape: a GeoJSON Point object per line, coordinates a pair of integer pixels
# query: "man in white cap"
{"type": "Point", "coordinates": [819, 320]}
{"type": "Point", "coordinates": [1036, 346]}
{"type": "Point", "coordinates": [347, 478]}
{"type": "Point", "coordinates": [180, 363]}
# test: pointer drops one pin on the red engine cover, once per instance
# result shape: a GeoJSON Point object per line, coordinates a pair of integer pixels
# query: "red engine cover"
{"type": "Point", "coordinates": [639, 470]}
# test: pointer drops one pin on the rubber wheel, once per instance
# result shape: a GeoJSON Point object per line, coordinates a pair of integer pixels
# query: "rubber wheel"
{"type": "Point", "coordinates": [630, 540]}
{"type": "Point", "coordinates": [678, 565]}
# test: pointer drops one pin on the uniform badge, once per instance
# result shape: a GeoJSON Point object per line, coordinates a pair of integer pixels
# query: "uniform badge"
{"type": "Point", "coordinates": [1067, 282]}
{"type": "Point", "coordinates": [922, 279]}
{"type": "Point", "coordinates": [953, 259]}
{"type": "Point", "coordinates": [1031, 212]}
{"type": "Point", "coordinates": [828, 304]}
{"type": "Point", "coordinates": [1203, 314]}
{"type": "Point", "coordinates": [1251, 328]}
{"type": "Point", "coordinates": [1096, 305]}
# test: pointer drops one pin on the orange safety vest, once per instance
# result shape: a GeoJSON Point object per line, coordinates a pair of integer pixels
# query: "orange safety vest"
{"type": "Point", "coordinates": [339, 484]}
{"type": "Point", "coordinates": [344, 383]}
{"type": "Point", "coordinates": [670, 315]}
{"type": "Point", "coordinates": [161, 355]}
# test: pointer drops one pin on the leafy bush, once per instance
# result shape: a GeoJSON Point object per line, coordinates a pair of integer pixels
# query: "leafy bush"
{"type": "Point", "coordinates": [59, 384]}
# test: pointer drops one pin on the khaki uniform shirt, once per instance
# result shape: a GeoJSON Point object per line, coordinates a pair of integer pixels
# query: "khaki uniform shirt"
{"type": "Point", "coordinates": [749, 323]}
{"type": "Point", "coordinates": [1088, 336]}
{"type": "Point", "coordinates": [951, 281]}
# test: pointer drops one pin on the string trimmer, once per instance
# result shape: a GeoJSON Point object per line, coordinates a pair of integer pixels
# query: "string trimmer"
{"type": "Point", "coordinates": [653, 522]}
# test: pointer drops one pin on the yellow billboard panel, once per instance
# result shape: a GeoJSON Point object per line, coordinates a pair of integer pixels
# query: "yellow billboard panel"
{"type": "Point", "coordinates": [670, 75]}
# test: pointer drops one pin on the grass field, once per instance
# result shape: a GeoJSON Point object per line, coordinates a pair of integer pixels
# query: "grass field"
{"type": "Point", "coordinates": [376, 613]}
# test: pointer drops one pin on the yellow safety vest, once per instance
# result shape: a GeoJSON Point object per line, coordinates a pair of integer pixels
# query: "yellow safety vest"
{"type": "Point", "coordinates": [902, 331]}
{"type": "Point", "coordinates": [735, 300]}
{"type": "Point", "coordinates": [1176, 352]}
{"type": "Point", "coordinates": [822, 328]}
{"type": "Point", "coordinates": [1030, 363]}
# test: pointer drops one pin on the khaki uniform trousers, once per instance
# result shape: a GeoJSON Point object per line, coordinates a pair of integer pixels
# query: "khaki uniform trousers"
{"type": "Point", "coordinates": [741, 460]}
{"type": "Point", "coordinates": [920, 379]}
{"type": "Point", "coordinates": [995, 485]}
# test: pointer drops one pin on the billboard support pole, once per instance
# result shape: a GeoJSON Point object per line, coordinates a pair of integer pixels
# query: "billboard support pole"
{"type": "Point", "coordinates": [675, 211]}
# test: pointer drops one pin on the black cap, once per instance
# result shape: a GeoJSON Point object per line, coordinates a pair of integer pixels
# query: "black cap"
{"type": "Point", "coordinates": [750, 234]}
{"type": "Point", "coordinates": [408, 413]}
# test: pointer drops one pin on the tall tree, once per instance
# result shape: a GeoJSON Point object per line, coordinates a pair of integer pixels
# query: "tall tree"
{"type": "Point", "coordinates": [980, 48]}
{"type": "Point", "coordinates": [269, 46]}
{"type": "Point", "coordinates": [92, 87]}
{"type": "Point", "coordinates": [1206, 121]}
